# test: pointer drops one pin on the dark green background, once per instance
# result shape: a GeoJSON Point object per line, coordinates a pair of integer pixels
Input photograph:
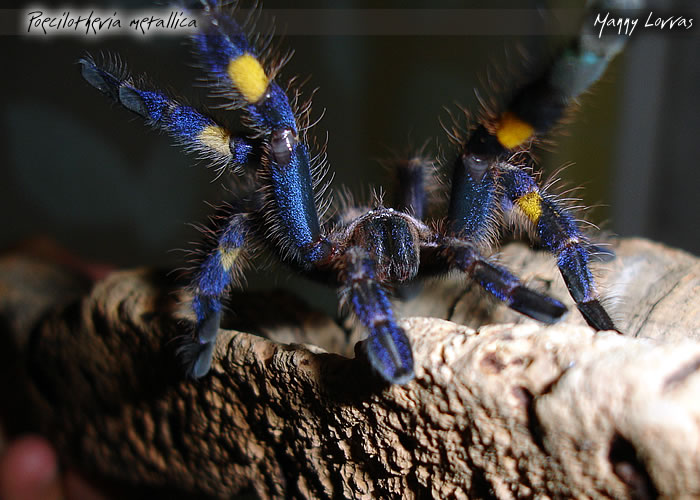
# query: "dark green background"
{"type": "Point", "coordinates": [90, 175]}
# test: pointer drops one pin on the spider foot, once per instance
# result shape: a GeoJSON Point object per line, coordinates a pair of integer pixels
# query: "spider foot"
{"type": "Point", "coordinates": [196, 353]}
{"type": "Point", "coordinates": [596, 316]}
{"type": "Point", "coordinates": [536, 305]}
{"type": "Point", "coordinates": [389, 352]}
{"type": "Point", "coordinates": [196, 357]}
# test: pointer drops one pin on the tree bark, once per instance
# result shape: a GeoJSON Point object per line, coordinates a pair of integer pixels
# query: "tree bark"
{"type": "Point", "coordinates": [501, 405]}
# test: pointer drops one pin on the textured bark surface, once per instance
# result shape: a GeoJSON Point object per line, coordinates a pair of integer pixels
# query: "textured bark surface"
{"type": "Point", "coordinates": [500, 405]}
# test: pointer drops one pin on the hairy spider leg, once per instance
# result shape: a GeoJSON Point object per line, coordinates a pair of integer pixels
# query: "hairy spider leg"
{"type": "Point", "coordinates": [559, 233]}
{"type": "Point", "coordinates": [220, 268]}
{"type": "Point", "coordinates": [540, 105]}
{"type": "Point", "coordinates": [533, 111]}
{"type": "Point", "coordinates": [222, 264]}
{"type": "Point", "coordinates": [188, 126]}
{"type": "Point", "coordinates": [237, 73]}
{"type": "Point", "coordinates": [388, 349]}
{"type": "Point", "coordinates": [499, 282]}
{"type": "Point", "coordinates": [473, 200]}
{"type": "Point", "coordinates": [411, 192]}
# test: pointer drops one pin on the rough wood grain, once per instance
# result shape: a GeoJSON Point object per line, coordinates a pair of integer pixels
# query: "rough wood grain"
{"type": "Point", "coordinates": [497, 409]}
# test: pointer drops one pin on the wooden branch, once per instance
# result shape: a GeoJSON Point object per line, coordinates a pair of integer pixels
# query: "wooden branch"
{"type": "Point", "coordinates": [506, 410]}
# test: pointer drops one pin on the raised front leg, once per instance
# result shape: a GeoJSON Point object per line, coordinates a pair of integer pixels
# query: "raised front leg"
{"type": "Point", "coordinates": [237, 74]}
{"type": "Point", "coordinates": [189, 127]}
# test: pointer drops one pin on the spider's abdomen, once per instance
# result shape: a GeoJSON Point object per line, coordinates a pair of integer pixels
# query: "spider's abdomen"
{"type": "Point", "coordinates": [392, 239]}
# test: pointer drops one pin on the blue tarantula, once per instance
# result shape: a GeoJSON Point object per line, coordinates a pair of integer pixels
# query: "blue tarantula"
{"type": "Point", "coordinates": [367, 252]}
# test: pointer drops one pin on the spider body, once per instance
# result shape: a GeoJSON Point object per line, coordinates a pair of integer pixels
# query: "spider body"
{"type": "Point", "coordinates": [367, 251]}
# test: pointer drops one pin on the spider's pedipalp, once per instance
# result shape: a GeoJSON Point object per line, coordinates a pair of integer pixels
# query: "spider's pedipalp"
{"type": "Point", "coordinates": [388, 349]}
{"type": "Point", "coordinates": [393, 239]}
{"type": "Point", "coordinates": [499, 282]}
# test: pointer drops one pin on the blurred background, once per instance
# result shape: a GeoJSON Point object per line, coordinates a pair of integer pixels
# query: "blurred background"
{"type": "Point", "coordinates": [90, 175]}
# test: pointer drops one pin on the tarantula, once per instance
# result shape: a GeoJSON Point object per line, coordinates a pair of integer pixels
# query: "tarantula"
{"type": "Point", "coordinates": [368, 251]}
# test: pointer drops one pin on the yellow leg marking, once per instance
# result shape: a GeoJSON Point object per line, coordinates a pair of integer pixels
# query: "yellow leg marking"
{"type": "Point", "coordinates": [215, 138]}
{"type": "Point", "coordinates": [228, 257]}
{"type": "Point", "coordinates": [531, 205]}
{"type": "Point", "coordinates": [248, 76]}
{"type": "Point", "coordinates": [512, 131]}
